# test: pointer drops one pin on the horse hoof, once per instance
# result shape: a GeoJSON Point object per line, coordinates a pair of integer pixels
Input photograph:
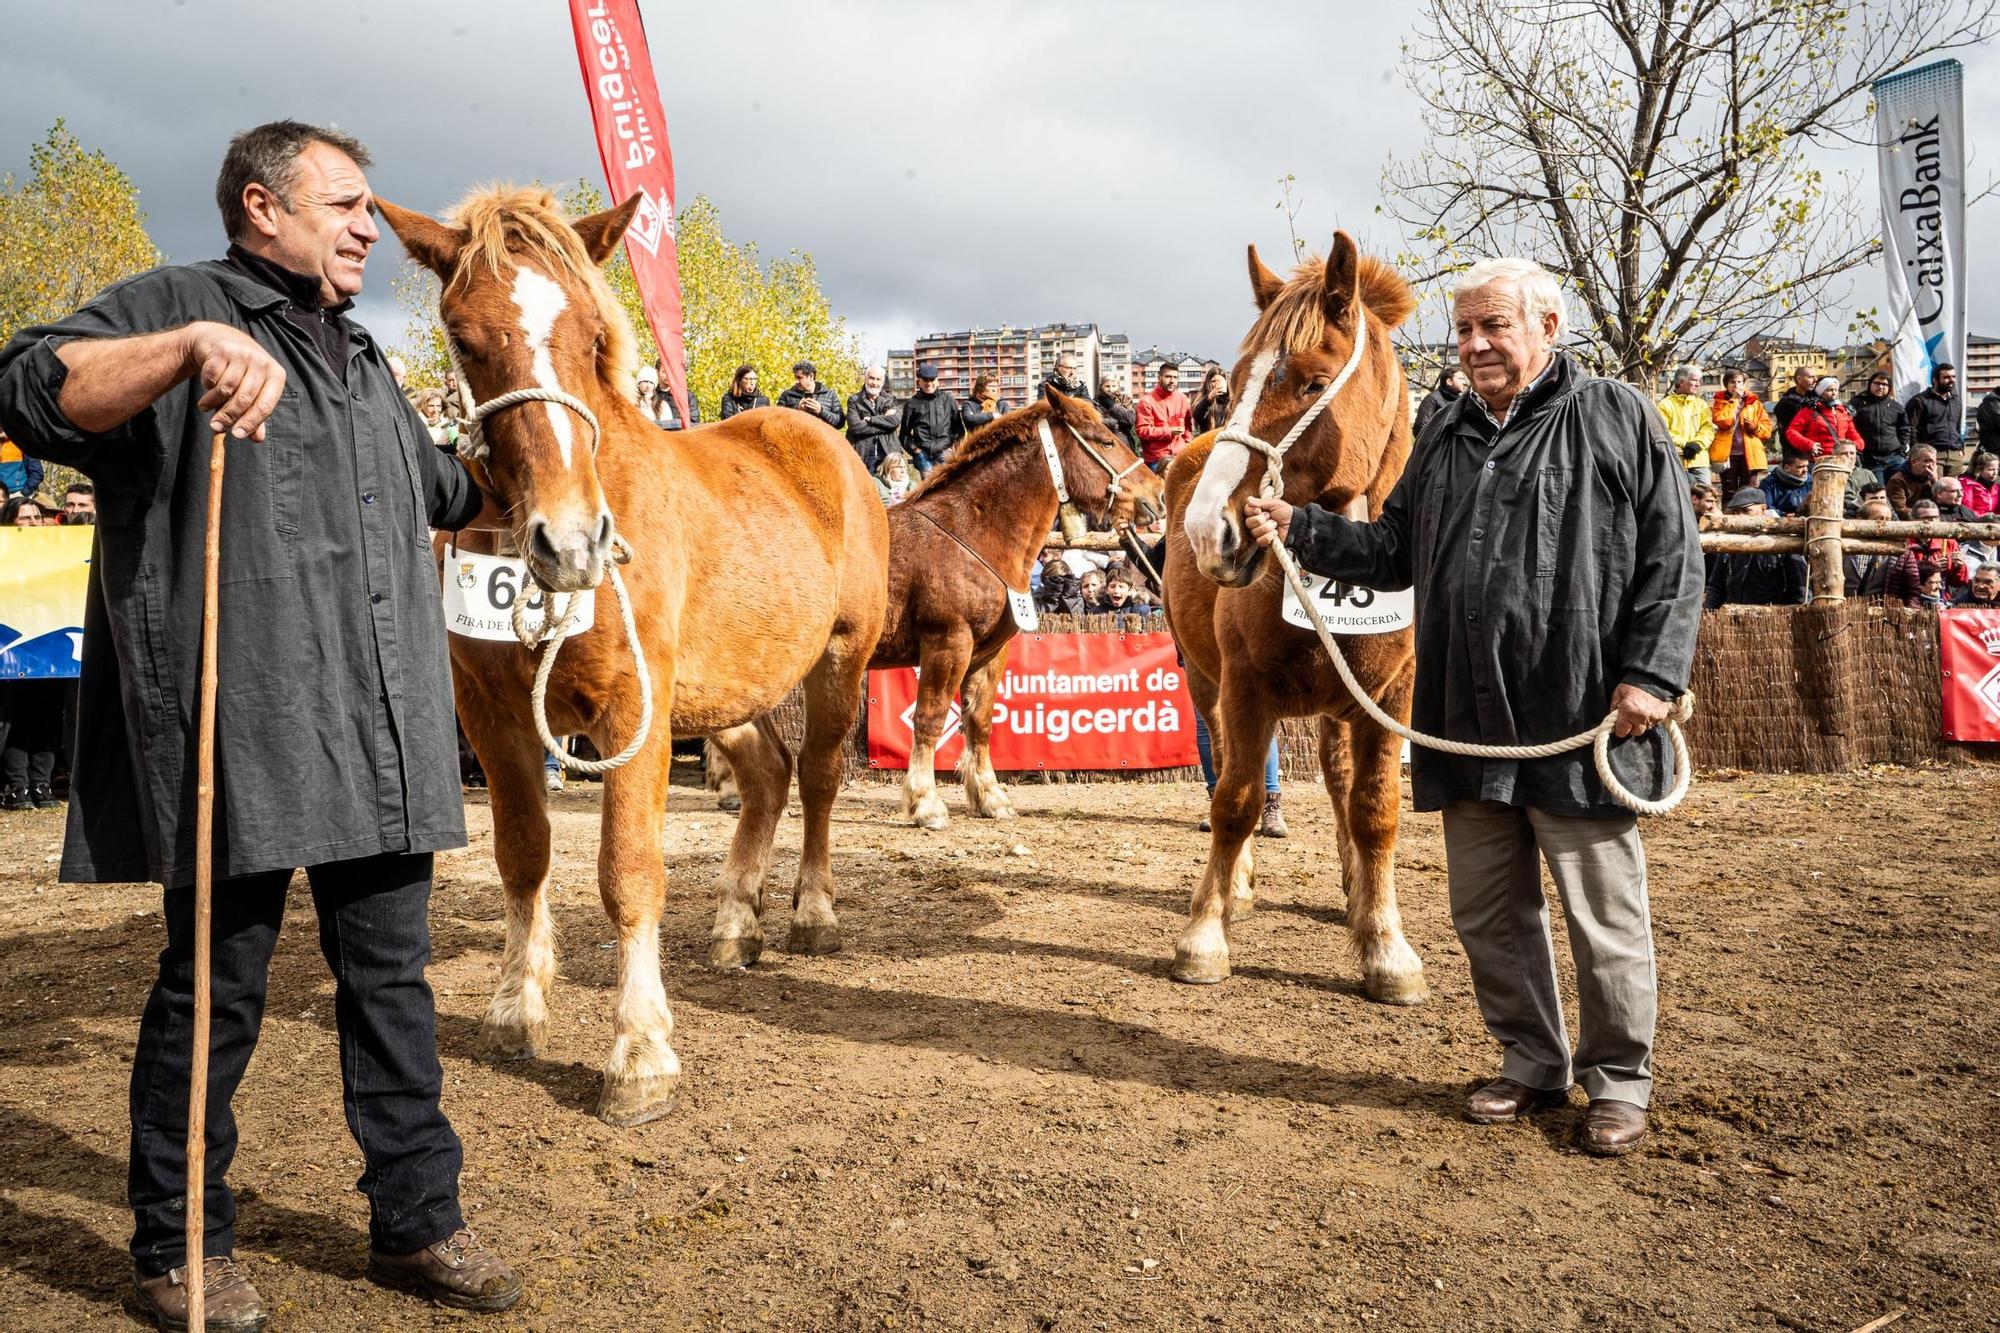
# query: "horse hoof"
{"type": "Point", "coordinates": [812, 939]}
{"type": "Point", "coordinates": [1391, 988]}
{"type": "Point", "coordinates": [733, 804]}
{"type": "Point", "coordinates": [1200, 969]}
{"type": "Point", "coordinates": [637, 1101]}
{"type": "Point", "coordinates": [733, 955]}
{"type": "Point", "coordinates": [996, 812]}
{"type": "Point", "coordinates": [936, 823]}
{"type": "Point", "coordinates": [501, 1043]}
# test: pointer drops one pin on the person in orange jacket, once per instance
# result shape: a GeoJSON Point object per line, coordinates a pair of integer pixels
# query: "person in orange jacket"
{"type": "Point", "coordinates": [1740, 452]}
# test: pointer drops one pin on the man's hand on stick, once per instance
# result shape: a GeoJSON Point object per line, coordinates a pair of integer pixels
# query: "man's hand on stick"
{"type": "Point", "coordinates": [242, 381]}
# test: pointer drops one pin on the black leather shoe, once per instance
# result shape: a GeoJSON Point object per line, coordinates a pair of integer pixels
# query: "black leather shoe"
{"type": "Point", "coordinates": [16, 798]}
{"type": "Point", "coordinates": [1499, 1102]}
{"type": "Point", "coordinates": [43, 797]}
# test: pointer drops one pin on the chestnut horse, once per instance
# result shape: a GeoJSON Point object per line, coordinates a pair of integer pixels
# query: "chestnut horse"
{"type": "Point", "coordinates": [758, 562]}
{"type": "Point", "coordinates": [975, 524]}
{"type": "Point", "coordinates": [1246, 667]}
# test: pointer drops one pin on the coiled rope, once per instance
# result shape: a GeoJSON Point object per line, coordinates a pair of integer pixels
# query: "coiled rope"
{"type": "Point", "coordinates": [1598, 738]}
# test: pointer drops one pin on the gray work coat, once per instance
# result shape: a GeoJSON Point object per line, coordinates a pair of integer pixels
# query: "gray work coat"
{"type": "Point", "coordinates": [1553, 560]}
{"type": "Point", "coordinates": [335, 731]}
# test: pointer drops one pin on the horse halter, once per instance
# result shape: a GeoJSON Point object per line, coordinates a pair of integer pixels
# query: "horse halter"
{"type": "Point", "coordinates": [1237, 431]}
{"type": "Point", "coordinates": [1054, 460]}
{"type": "Point", "coordinates": [472, 444]}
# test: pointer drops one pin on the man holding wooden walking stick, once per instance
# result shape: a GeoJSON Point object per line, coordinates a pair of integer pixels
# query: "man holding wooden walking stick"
{"type": "Point", "coordinates": [335, 747]}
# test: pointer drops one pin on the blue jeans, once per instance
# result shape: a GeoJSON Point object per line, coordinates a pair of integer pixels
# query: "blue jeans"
{"type": "Point", "coordinates": [375, 934]}
{"type": "Point", "coordinates": [1205, 748]}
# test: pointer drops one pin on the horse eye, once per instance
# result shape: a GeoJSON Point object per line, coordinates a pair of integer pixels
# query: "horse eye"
{"type": "Point", "coordinates": [1316, 388]}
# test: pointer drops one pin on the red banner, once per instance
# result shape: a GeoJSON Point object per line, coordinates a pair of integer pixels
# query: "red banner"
{"type": "Point", "coordinates": [632, 141]}
{"type": "Point", "coordinates": [1970, 642]}
{"type": "Point", "coordinates": [1068, 701]}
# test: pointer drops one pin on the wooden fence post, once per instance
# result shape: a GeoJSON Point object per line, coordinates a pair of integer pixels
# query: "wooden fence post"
{"type": "Point", "coordinates": [1831, 662]}
{"type": "Point", "coordinates": [1826, 576]}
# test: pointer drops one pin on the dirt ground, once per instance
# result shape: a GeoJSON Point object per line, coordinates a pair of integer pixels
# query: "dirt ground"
{"type": "Point", "coordinates": [994, 1110]}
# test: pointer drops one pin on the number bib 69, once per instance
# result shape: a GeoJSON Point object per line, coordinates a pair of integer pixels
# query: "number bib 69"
{"type": "Point", "coordinates": [1347, 609]}
{"type": "Point", "coordinates": [480, 592]}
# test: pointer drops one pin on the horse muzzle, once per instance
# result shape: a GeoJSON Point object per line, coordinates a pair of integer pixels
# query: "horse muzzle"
{"type": "Point", "coordinates": [1229, 557]}
{"type": "Point", "coordinates": [568, 557]}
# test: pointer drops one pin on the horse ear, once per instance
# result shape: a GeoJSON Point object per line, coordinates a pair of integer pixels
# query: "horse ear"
{"type": "Point", "coordinates": [429, 242]}
{"type": "Point", "coordinates": [1341, 270]}
{"type": "Point", "coordinates": [1059, 402]}
{"type": "Point", "coordinates": [601, 232]}
{"type": "Point", "coordinates": [1264, 284]}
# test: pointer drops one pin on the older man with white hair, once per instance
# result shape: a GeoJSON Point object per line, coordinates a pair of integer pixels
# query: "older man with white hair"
{"type": "Point", "coordinates": [872, 419]}
{"type": "Point", "coordinates": [1543, 521]}
{"type": "Point", "coordinates": [1690, 424]}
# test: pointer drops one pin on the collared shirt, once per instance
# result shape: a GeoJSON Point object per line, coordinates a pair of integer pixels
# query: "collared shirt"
{"type": "Point", "coordinates": [324, 324]}
{"type": "Point", "coordinates": [1500, 421]}
{"type": "Point", "coordinates": [334, 734]}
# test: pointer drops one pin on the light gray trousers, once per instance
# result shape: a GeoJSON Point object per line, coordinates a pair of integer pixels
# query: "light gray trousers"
{"type": "Point", "coordinates": [1494, 871]}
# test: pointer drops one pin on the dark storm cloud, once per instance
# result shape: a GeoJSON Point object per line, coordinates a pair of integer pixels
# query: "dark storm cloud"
{"type": "Point", "coordinates": [946, 165]}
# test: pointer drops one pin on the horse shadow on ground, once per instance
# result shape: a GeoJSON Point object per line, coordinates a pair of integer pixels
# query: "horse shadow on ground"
{"type": "Point", "coordinates": [64, 1254]}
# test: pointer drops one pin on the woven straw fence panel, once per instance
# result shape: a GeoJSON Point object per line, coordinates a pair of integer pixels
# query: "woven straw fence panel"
{"type": "Point", "coordinates": [1777, 690]}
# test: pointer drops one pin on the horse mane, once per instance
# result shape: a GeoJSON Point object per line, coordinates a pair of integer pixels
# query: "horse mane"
{"type": "Point", "coordinates": [988, 440]}
{"type": "Point", "coordinates": [1295, 321]}
{"type": "Point", "coordinates": [501, 221]}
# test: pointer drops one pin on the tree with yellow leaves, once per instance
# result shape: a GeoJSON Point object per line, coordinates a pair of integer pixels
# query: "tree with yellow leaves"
{"type": "Point", "coordinates": [67, 232]}
{"type": "Point", "coordinates": [735, 309]}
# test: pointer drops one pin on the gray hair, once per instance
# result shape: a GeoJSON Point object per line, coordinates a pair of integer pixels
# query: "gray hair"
{"type": "Point", "coordinates": [1535, 286]}
{"type": "Point", "coordinates": [269, 156]}
{"type": "Point", "coordinates": [1687, 373]}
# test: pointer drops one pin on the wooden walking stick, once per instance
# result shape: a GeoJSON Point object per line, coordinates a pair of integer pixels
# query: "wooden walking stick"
{"type": "Point", "coordinates": [204, 873]}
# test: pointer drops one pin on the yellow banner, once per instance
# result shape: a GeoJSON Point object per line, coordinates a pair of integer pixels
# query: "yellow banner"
{"type": "Point", "coordinates": [43, 572]}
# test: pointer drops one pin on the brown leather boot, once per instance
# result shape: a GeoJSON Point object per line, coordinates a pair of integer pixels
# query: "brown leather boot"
{"type": "Point", "coordinates": [232, 1303]}
{"type": "Point", "coordinates": [1274, 817]}
{"type": "Point", "coordinates": [457, 1271]}
{"type": "Point", "coordinates": [1611, 1129]}
{"type": "Point", "coordinates": [1500, 1101]}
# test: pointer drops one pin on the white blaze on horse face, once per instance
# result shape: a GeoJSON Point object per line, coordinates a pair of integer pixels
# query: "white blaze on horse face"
{"type": "Point", "coordinates": [540, 300]}
{"type": "Point", "coordinates": [1228, 463]}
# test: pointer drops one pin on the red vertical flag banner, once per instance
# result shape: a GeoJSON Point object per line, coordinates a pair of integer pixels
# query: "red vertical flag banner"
{"type": "Point", "coordinates": [1970, 643]}
{"type": "Point", "coordinates": [632, 141]}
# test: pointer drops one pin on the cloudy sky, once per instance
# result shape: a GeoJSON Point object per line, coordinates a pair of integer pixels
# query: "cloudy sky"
{"type": "Point", "coordinates": [947, 165]}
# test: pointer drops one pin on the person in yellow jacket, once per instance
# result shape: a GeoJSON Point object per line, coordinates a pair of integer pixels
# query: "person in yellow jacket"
{"type": "Point", "coordinates": [1743, 428]}
{"type": "Point", "coordinates": [1689, 424]}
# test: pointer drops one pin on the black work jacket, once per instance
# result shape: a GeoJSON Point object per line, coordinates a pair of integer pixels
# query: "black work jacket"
{"type": "Point", "coordinates": [1122, 420]}
{"type": "Point", "coordinates": [871, 425]}
{"type": "Point", "coordinates": [1880, 423]}
{"type": "Point", "coordinates": [732, 403]}
{"type": "Point", "coordinates": [827, 399]}
{"type": "Point", "coordinates": [334, 735]}
{"type": "Point", "coordinates": [930, 425]}
{"type": "Point", "coordinates": [1756, 580]}
{"type": "Point", "coordinates": [1553, 560]}
{"type": "Point", "coordinates": [1934, 420]}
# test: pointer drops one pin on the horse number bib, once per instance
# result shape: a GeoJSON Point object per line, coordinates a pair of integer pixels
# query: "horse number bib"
{"type": "Point", "coordinates": [1022, 604]}
{"type": "Point", "coordinates": [1347, 609]}
{"type": "Point", "coordinates": [480, 592]}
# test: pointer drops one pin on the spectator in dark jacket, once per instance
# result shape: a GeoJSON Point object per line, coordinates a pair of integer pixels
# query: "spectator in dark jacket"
{"type": "Point", "coordinates": [1983, 591]}
{"type": "Point", "coordinates": [1787, 486]}
{"type": "Point", "coordinates": [1061, 592]}
{"type": "Point", "coordinates": [742, 395]}
{"type": "Point", "coordinates": [1067, 378]}
{"type": "Point", "coordinates": [1800, 395]}
{"type": "Point", "coordinates": [1755, 580]}
{"type": "Point", "coordinates": [981, 406]}
{"type": "Point", "coordinates": [19, 474]}
{"type": "Point", "coordinates": [1210, 410]}
{"type": "Point", "coordinates": [871, 419]}
{"type": "Point", "coordinates": [1884, 430]}
{"type": "Point", "coordinates": [1934, 417]}
{"type": "Point", "coordinates": [1116, 409]}
{"type": "Point", "coordinates": [1949, 492]}
{"type": "Point", "coordinates": [930, 425]}
{"type": "Point", "coordinates": [1868, 575]}
{"type": "Point", "coordinates": [1449, 386]}
{"type": "Point", "coordinates": [806, 395]}
{"type": "Point", "coordinates": [1988, 417]}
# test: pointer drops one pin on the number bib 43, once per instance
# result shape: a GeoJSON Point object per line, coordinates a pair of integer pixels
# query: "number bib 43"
{"type": "Point", "coordinates": [480, 592]}
{"type": "Point", "coordinates": [1347, 609]}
